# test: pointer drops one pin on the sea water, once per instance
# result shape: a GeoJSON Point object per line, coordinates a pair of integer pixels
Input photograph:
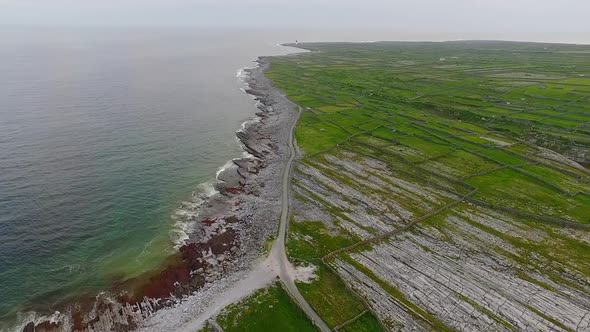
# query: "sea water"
{"type": "Point", "coordinates": [105, 134]}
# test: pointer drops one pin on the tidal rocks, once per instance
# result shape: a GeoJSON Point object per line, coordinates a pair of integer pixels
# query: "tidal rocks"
{"type": "Point", "coordinates": [468, 279]}
{"type": "Point", "coordinates": [469, 269]}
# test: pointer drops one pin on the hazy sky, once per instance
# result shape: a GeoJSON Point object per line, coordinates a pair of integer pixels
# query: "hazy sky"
{"type": "Point", "coordinates": [550, 20]}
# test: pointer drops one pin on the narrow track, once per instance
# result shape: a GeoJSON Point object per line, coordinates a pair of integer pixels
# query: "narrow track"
{"type": "Point", "coordinates": [278, 253]}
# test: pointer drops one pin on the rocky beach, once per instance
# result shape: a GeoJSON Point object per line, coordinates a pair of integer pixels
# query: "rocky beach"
{"type": "Point", "coordinates": [227, 233]}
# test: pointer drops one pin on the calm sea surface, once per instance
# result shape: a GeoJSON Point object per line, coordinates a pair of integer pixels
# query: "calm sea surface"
{"type": "Point", "coordinates": [103, 133]}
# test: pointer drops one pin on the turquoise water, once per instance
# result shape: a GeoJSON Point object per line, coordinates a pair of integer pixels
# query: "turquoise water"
{"type": "Point", "coordinates": [103, 133]}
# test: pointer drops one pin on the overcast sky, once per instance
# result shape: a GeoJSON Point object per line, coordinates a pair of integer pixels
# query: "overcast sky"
{"type": "Point", "coordinates": [549, 20]}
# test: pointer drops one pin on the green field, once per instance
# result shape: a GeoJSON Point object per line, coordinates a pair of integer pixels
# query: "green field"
{"type": "Point", "coordinates": [424, 136]}
{"type": "Point", "coordinates": [270, 309]}
{"type": "Point", "coordinates": [452, 108]}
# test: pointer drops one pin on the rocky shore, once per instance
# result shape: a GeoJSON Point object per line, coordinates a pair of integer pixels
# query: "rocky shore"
{"type": "Point", "coordinates": [227, 235]}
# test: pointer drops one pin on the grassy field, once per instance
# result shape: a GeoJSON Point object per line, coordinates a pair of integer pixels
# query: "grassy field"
{"type": "Point", "coordinates": [270, 309]}
{"type": "Point", "coordinates": [456, 107]}
{"type": "Point", "coordinates": [471, 141]}
{"type": "Point", "coordinates": [327, 293]}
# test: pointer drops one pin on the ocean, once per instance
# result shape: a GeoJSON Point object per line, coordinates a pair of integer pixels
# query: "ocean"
{"type": "Point", "coordinates": [105, 134]}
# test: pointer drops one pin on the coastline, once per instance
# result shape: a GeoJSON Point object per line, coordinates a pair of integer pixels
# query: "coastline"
{"type": "Point", "coordinates": [226, 237]}
{"type": "Point", "coordinates": [265, 139]}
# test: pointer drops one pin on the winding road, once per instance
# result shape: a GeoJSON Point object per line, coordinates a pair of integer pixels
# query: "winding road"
{"type": "Point", "coordinates": [278, 255]}
{"type": "Point", "coordinates": [275, 264]}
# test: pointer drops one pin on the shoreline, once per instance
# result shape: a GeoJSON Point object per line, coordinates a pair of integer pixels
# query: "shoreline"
{"type": "Point", "coordinates": [266, 140]}
{"type": "Point", "coordinates": [226, 237]}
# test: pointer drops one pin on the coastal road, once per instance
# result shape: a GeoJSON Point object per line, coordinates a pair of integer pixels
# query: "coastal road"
{"type": "Point", "coordinates": [264, 273]}
{"type": "Point", "coordinates": [278, 254]}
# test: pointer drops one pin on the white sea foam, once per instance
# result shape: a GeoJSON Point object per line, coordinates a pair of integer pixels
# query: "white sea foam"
{"type": "Point", "coordinates": [185, 216]}
{"type": "Point", "coordinates": [242, 73]}
{"type": "Point", "coordinates": [246, 154]}
{"type": "Point", "coordinates": [35, 318]}
{"type": "Point", "coordinates": [227, 165]}
{"type": "Point", "coordinates": [248, 123]}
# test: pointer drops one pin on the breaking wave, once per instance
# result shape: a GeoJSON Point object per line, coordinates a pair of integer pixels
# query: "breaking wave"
{"type": "Point", "coordinates": [186, 215]}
